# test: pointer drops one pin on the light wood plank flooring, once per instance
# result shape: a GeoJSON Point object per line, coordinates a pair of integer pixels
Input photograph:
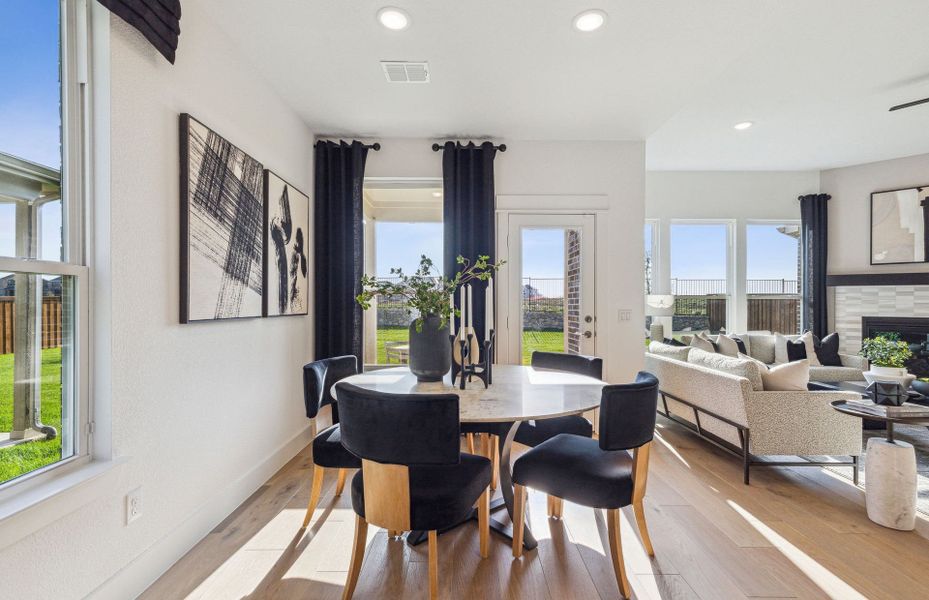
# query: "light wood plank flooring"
{"type": "Point", "coordinates": [794, 533]}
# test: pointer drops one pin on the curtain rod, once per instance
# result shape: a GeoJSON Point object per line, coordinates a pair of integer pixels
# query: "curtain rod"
{"type": "Point", "coordinates": [437, 147]}
{"type": "Point", "coordinates": [376, 146]}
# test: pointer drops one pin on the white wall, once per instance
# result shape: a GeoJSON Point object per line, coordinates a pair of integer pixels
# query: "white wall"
{"type": "Point", "coordinates": [205, 413]}
{"type": "Point", "coordinates": [546, 170]}
{"type": "Point", "coordinates": [736, 196]}
{"type": "Point", "coordinates": [850, 210]}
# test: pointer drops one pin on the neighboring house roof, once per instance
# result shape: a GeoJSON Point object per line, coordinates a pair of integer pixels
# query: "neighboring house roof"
{"type": "Point", "coordinates": [28, 169]}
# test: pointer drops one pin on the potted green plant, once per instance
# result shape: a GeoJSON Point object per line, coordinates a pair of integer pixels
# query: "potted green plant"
{"type": "Point", "coordinates": [428, 294]}
{"type": "Point", "coordinates": [887, 354]}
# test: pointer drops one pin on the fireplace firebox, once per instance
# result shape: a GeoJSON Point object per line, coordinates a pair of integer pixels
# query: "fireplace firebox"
{"type": "Point", "coordinates": [913, 330]}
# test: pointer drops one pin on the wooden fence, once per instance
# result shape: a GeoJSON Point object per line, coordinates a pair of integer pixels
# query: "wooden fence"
{"type": "Point", "coordinates": [51, 322]}
{"type": "Point", "coordinates": [781, 315]}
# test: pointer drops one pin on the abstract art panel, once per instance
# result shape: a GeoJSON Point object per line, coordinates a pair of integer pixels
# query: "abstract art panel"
{"type": "Point", "coordinates": [286, 242]}
{"type": "Point", "coordinates": [222, 222]}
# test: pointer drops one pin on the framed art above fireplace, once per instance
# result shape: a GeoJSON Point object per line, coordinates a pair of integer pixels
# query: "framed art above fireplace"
{"type": "Point", "coordinates": [899, 231]}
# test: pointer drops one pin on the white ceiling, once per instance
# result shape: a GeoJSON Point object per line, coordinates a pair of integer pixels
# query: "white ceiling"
{"type": "Point", "coordinates": [816, 76]}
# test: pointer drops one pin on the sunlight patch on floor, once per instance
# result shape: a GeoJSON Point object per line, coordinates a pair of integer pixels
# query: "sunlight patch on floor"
{"type": "Point", "coordinates": [825, 579]}
{"type": "Point", "coordinates": [671, 449]}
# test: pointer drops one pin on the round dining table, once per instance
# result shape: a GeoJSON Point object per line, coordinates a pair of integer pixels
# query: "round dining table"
{"type": "Point", "coordinates": [517, 394]}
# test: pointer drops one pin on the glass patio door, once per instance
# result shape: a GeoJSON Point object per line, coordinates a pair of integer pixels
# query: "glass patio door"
{"type": "Point", "coordinates": [549, 304]}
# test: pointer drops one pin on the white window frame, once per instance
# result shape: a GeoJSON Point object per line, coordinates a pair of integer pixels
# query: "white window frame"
{"type": "Point", "coordinates": [655, 226]}
{"type": "Point", "coordinates": [79, 173]}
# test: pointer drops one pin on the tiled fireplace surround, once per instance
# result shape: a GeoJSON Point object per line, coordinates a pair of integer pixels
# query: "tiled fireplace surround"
{"type": "Point", "coordinates": [852, 302]}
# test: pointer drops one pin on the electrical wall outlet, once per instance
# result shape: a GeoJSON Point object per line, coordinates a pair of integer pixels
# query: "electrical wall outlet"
{"type": "Point", "coordinates": [133, 505]}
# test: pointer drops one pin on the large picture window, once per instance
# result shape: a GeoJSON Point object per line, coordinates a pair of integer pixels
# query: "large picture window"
{"type": "Point", "coordinates": [700, 276]}
{"type": "Point", "coordinates": [773, 277]}
{"type": "Point", "coordinates": [43, 276]}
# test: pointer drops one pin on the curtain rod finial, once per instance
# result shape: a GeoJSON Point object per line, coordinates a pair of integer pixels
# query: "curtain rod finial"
{"type": "Point", "coordinates": [376, 146]}
{"type": "Point", "coordinates": [502, 147]}
{"type": "Point", "coordinates": [436, 147]}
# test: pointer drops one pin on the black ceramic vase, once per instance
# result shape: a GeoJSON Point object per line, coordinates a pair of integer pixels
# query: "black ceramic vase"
{"type": "Point", "coordinates": [430, 350]}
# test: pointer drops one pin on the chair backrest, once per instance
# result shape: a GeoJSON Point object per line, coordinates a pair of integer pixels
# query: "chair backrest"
{"type": "Point", "coordinates": [390, 433]}
{"type": "Point", "coordinates": [628, 413]}
{"type": "Point", "coordinates": [318, 378]}
{"type": "Point", "coordinates": [590, 366]}
{"type": "Point", "coordinates": [400, 429]}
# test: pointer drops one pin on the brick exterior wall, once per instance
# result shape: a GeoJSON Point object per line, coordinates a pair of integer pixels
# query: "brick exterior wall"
{"type": "Point", "coordinates": [572, 315]}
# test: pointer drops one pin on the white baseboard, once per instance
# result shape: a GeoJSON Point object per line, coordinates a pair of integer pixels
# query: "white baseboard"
{"type": "Point", "coordinates": [141, 572]}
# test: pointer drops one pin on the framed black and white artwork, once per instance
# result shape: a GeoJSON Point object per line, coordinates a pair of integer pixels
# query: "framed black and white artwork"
{"type": "Point", "coordinates": [222, 225]}
{"type": "Point", "coordinates": [287, 222]}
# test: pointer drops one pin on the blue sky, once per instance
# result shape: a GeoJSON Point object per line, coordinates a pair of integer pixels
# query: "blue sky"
{"type": "Point", "coordinates": [30, 117]}
{"type": "Point", "coordinates": [697, 251]}
{"type": "Point", "coordinates": [401, 244]}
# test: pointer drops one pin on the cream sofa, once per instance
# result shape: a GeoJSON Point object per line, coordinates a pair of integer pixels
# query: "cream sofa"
{"type": "Point", "coordinates": [730, 412]}
{"type": "Point", "coordinates": [761, 347]}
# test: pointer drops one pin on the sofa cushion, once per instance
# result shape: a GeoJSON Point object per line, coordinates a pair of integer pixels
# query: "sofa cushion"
{"type": "Point", "coordinates": [796, 350]}
{"type": "Point", "coordinates": [788, 377]}
{"type": "Point", "coordinates": [727, 346]}
{"type": "Point", "coordinates": [740, 342]}
{"type": "Point", "coordinates": [761, 346]}
{"type": "Point", "coordinates": [701, 342]}
{"type": "Point", "coordinates": [739, 367]}
{"type": "Point", "coordinates": [675, 352]}
{"type": "Point", "coordinates": [780, 349]}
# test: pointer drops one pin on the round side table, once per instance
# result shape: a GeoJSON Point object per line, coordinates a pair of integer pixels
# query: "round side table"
{"type": "Point", "coordinates": [890, 468]}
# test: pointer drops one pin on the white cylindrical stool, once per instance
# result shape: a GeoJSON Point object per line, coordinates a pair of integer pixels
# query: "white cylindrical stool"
{"type": "Point", "coordinates": [890, 484]}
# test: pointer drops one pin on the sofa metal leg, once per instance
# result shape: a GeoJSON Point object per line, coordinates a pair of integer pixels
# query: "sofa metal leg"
{"type": "Point", "coordinates": [855, 470]}
{"type": "Point", "coordinates": [746, 456]}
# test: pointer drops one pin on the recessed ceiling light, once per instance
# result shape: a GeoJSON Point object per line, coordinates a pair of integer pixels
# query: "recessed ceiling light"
{"type": "Point", "coordinates": [393, 18]}
{"type": "Point", "coordinates": [589, 20]}
{"type": "Point", "coordinates": [743, 125]}
{"type": "Point", "coordinates": [436, 194]}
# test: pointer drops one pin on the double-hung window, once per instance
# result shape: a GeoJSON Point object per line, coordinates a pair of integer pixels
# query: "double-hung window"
{"type": "Point", "coordinates": [44, 276]}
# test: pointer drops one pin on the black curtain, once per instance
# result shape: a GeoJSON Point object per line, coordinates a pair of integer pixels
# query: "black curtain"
{"type": "Point", "coordinates": [339, 248]}
{"type": "Point", "coordinates": [814, 238]}
{"type": "Point", "coordinates": [158, 20]}
{"type": "Point", "coordinates": [468, 212]}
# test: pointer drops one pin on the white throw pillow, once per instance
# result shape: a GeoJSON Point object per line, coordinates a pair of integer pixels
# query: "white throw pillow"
{"type": "Point", "coordinates": [669, 351]}
{"type": "Point", "coordinates": [789, 377]}
{"type": "Point", "coordinates": [780, 349]}
{"type": "Point", "coordinates": [701, 342]}
{"type": "Point", "coordinates": [727, 346]}
{"type": "Point", "coordinates": [810, 349]}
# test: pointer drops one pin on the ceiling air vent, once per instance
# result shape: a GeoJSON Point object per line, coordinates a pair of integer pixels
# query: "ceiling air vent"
{"type": "Point", "coordinates": [405, 72]}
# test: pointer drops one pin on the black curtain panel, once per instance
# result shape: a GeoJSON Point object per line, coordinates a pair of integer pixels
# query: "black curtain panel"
{"type": "Point", "coordinates": [339, 244]}
{"type": "Point", "coordinates": [158, 20]}
{"type": "Point", "coordinates": [468, 212]}
{"type": "Point", "coordinates": [814, 228]}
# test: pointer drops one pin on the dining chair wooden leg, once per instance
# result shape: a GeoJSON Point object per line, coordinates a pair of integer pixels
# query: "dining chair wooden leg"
{"type": "Point", "coordinates": [470, 438]}
{"type": "Point", "coordinates": [494, 461]}
{"type": "Point", "coordinates": [318, 474]}
{"type": "Point", "coordinates": [433, 566]}
{"type": "Point", "coordinates": [358, 555]}
{"type": "Point", "coordinates": [519, 518]}
{"type": "Point", "coordinates": [639, 509]}
{"type": "Point", "coordinates": [551, 505]}
{"type": "Point", "coordinates": [616, 551]}
{"type": "Point", "coordinates": [340, 484]}
{"type": "Point", "coordinates": [483, 522]}
{"type": "Point", "coordinates": [557, 507]}
{"type": "Point", "coordinates": [393, 533]}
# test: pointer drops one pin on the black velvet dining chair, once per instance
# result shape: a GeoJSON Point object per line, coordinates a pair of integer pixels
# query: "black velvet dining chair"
{"type": "Point", "coordinates": [413, 475]}
{"type": "Point", "coordinates": [598, 473]}
{"type": "Point", "coordinates": [533, 433]}
{"type": "Point", "coordinates": [328, 453]}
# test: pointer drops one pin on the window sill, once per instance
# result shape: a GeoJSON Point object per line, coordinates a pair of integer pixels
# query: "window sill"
{"type": "Point", "coordinates": [26, 512]}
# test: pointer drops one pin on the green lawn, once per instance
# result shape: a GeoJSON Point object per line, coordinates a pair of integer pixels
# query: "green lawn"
{"type": "Point", "coordinates": [547, 341]}
{"type": "Point", "coordinates": [28, 456]}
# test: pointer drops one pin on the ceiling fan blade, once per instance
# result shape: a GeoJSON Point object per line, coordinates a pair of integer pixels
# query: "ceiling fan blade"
{"type": "Point", "coordinates": [909, 104]}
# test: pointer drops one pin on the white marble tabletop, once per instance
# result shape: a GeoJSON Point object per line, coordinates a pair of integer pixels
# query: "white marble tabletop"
{"type": "Point", "coordinates": [517, 394]}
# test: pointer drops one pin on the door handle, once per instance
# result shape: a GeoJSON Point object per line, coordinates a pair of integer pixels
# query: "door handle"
{"type": "Point", "coordinates": [588, 334]}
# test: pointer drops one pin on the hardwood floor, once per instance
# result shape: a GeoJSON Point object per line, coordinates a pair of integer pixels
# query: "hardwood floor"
{"type": "Point", "coordinates": [794, 533]}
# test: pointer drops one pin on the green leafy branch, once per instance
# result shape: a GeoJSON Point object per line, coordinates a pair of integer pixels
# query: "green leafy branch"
{"type": "Point", "coordinates": [426, 290]}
